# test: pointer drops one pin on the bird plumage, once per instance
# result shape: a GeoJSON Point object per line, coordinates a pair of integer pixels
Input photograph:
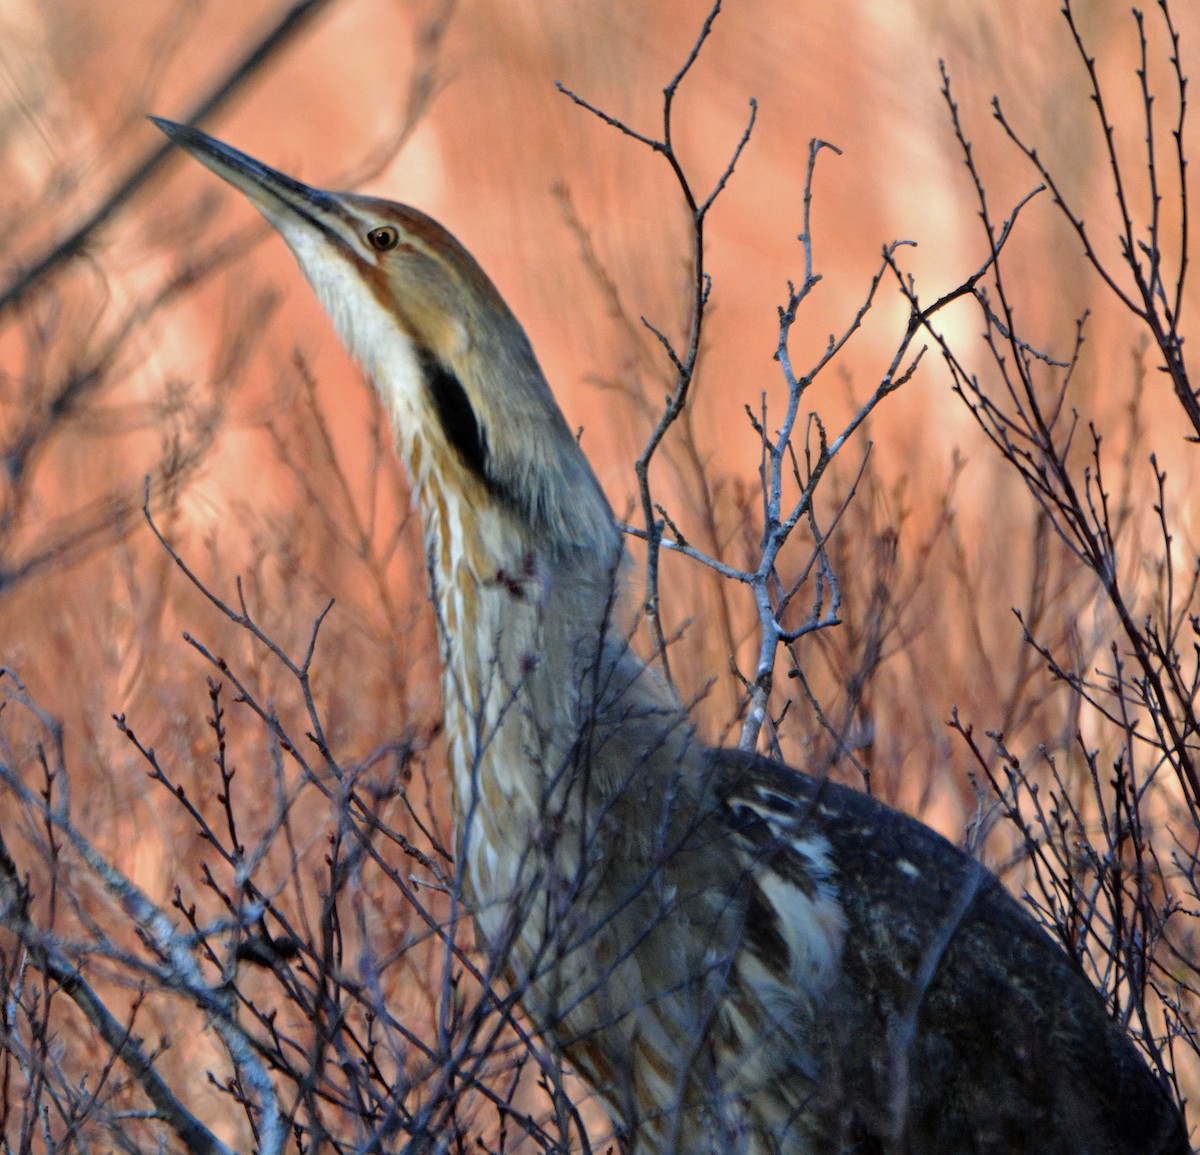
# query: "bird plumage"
{"type": "Point", "coordinates": [736, 956]}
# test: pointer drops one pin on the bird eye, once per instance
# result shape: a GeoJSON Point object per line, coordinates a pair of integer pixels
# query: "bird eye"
{"type": "Point", "coordinates": [383, 238]}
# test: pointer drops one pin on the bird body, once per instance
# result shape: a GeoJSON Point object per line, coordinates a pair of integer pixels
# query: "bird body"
{"type": "Point", "coordinates": [736, 956]}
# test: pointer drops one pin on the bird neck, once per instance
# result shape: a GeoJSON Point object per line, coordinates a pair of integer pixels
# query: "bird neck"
{"type": "Point", "coordinates": [522, 630]}
{"type": "Point", "coordinates": [523, 563]}
{"type": "Point", "coordinates": [524, 558]}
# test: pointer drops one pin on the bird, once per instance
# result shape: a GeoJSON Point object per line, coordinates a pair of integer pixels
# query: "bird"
{"type": "Point", "coordinates": [735, 955]}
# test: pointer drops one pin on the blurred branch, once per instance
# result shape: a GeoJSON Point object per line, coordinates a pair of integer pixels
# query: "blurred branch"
{"type": "Point", "coordinates": [274, 40]}
{"type": "Point", "coordinates": [63, 539]}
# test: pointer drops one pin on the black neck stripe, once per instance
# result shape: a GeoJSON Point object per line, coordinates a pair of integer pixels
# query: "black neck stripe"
{"type": "Point", "coordinates": [457, 418]}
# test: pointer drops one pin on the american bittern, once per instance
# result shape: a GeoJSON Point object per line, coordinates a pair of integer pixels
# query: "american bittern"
{"type": "Point", "coordinates": [736, 956]}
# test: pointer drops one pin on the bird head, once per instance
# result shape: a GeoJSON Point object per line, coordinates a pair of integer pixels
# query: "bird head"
{"type": "Point", "coordinates": [451, 362]}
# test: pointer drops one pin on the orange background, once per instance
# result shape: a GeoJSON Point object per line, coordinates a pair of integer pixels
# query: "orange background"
{"type": "Point", "coordinates": [584, 232]}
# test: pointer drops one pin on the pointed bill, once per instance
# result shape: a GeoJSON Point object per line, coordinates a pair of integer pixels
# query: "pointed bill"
{"type": "Point", "coordinates": [279, 197]}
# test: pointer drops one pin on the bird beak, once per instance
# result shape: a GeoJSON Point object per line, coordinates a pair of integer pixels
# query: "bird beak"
{"type": "Point", "coordinates": [279, 197]}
